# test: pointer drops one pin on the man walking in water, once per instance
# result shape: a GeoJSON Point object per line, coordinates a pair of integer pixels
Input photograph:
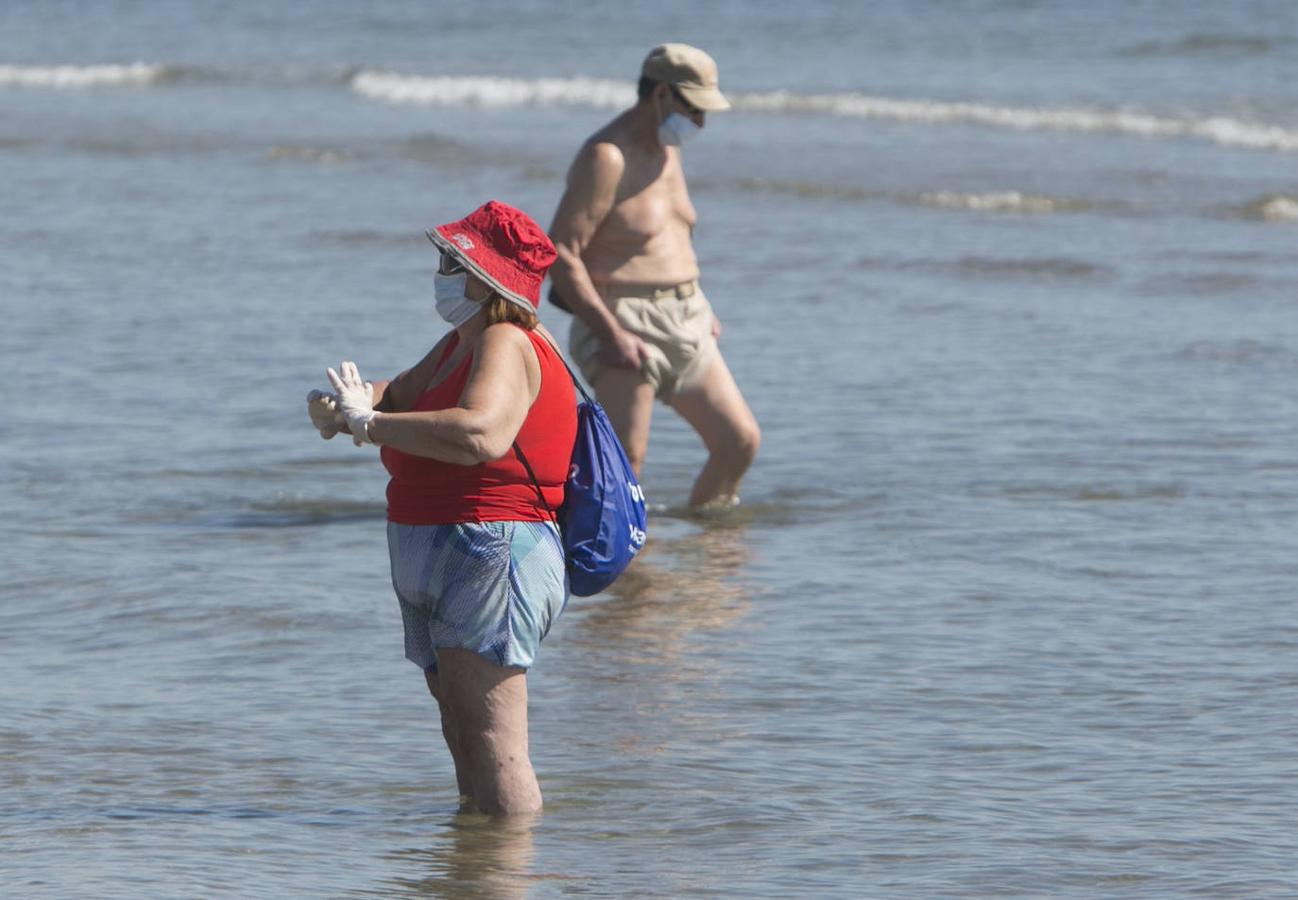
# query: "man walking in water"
{"type": "Point", "coordinates": [627, 271]}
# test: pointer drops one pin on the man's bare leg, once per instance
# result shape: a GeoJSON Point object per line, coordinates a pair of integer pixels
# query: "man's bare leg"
{"type": "Point", "coordinates": [489, 706]}
{"type": "Point", "coordinates": [716, 409]}
{"type": "Point", "coordinates": [628, 400]}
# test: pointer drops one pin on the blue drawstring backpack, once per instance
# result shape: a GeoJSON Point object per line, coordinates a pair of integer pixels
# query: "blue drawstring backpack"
{"type": "Point", "coordinates": [602, 518]}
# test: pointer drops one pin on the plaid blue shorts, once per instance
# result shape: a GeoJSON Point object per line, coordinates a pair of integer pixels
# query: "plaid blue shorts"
{"type": "Point", "coordinates": [491, 587]}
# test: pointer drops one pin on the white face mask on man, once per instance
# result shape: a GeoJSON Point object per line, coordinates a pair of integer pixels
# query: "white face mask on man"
{"type": "Point", "coordinates": [676, 129]}
{"type": "Point", "coordinates": [452, 303]}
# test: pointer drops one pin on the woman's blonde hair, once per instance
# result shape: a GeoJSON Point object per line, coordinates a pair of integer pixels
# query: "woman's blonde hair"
{"type": "Point", "coordinates": [501, 310]}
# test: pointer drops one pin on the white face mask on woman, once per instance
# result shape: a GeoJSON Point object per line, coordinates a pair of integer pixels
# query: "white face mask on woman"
{"type": "Point", "coordinates": [452, 303]}
{"type": "Point", "coordinates": [676, 130]}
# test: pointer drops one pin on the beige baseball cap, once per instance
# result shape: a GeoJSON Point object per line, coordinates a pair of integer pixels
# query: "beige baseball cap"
{"type": "Point", "coordinates": [690, 71]}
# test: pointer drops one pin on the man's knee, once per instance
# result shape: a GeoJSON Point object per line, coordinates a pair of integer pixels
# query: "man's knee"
{"type": "Point", "coordinates": [635, 455]}
{"type": "Point", "coordinates": [741, 445]}
{"type": "Point", "coordinates": [750, 439]}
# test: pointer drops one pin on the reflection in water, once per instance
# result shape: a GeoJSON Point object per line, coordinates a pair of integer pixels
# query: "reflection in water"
{"type": "Point", "coordinates": [687, 581]}
{"type": "Point", "coordinates": [656, 653]}
{"type": "Point", "coordinates": [476, 856]}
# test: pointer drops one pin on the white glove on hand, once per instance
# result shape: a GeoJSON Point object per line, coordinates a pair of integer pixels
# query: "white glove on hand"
{"type": "Point", "coordinates": [323, 410]}
{"type": "Point", "coordinates": [355, 400]}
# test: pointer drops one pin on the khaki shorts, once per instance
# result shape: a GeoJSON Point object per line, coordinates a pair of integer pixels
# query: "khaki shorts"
{"type": "Point", "coordinates": [675, 323]}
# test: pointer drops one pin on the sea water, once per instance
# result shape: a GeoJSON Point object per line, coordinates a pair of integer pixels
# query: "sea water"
{"type": "Point", "coordinates": [1007, 610]}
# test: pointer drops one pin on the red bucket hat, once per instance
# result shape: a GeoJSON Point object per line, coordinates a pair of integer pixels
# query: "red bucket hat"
{"type": "Point", "coordinates": [502, 246]}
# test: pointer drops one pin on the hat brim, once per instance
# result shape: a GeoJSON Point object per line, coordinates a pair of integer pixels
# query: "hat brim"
{"type": "Point", "coordinates": [452, 250]}
{"type": "Point", "coordinates": [708, 99]}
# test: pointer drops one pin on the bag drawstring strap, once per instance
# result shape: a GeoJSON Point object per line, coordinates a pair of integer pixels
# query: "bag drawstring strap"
{"type": "Point", "coordinates": [575, 382]}
{"type": "Point", "coordinates": [536, 484]}
{"type": "Point", "coordinates": [518, 451]}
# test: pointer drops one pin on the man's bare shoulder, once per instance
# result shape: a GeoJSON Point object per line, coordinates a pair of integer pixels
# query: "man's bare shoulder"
{"type": "Point", "coordinates": [600, 158]}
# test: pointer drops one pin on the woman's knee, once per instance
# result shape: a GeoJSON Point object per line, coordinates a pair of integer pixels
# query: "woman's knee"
{"type": "Point", "coordinates": [488, 705]}
{"type": "Point", "coordinates": [434, 685]}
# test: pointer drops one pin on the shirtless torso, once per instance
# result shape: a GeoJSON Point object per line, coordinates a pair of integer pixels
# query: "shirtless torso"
{"type": "Point", "coordinates": [644, 238]}
{"type": "Point", "coordinates": [626, 222]}
{"type": "Point", "coordinates": [626, 217]}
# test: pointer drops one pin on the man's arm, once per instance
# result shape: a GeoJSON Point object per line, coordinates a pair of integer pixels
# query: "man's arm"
{"type": "Point", "coordinates": [590, 195]}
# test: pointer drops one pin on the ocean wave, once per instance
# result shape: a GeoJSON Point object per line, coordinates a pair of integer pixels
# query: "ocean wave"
{"type": "Point", "coordinates": [1272, 208]}
{"type": "Point", "coordinates": [391, 87]}
{"type": "Point", "coordinates": [1244, 350]}
{"type": "Point", "coordinates": [496, 92]}
{"type": "Point", "coordinates": [299, 512]}
{"type": "Point", "coordinates": [1206, 284]}
{"type": "Point", "coordinates": [602, 93]}
{"type": "Point", "coordinates": [319, 155]}
{"type": "Point", "coordinates": [1217, 129]}
{"type": "Point", "coordinates": [369, 238]}
{"type": "Point", "coordinates": [999, 202]}
{"type": "Point", "coordinates": [1006, 201]}
{"type": "Point", "coordinates": [1049, 268]}
{"type": "Point", "coordinates": [1096, 492]}
{"type": "Point", "coordinates": [132, 75]}
{"type": "Point", "coordinates": [997, 268]}
{"type": "Point", "coordinates": [142, 74]}
{"type": "Point", "coordinates": [807, 189]}
{"type": "Point", "coordinates": [1210, 45]}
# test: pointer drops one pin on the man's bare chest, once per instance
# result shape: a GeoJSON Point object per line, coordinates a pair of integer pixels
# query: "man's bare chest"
{"type": "Point", "coordinates": [646, 208]}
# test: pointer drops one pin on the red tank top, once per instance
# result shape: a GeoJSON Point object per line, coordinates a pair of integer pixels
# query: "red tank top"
{"type": "Point", "coordinates": [425, 491]}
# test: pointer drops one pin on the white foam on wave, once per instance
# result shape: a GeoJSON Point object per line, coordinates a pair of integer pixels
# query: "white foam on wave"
{"type": "Point", "coordinates": [1218, 129]}
{"type": "Point", "coordinates": [485, 91]}
{"type": "Point", "coordinates": [391, 87]}
{"type": "Point", "coordinates": [1279, 209]}
{"type": "Point", "coordinates": [77, 77]}
{"type": "Point", "coordinates": [1274, 208]}
{"type": "Point", "coordinates": [996, 201]}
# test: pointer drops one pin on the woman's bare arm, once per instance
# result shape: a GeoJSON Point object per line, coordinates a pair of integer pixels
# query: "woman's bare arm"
{"type": "Point", "coordinates": [400, 394]}
{"type": "Point", "coordinates": [503, 383]}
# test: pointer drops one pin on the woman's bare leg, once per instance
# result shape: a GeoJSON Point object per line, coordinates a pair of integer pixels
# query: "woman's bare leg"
{"type": "Point", "coordinates": [488, 706]}
{"type": "Point", "coordinates": [451, 734]}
